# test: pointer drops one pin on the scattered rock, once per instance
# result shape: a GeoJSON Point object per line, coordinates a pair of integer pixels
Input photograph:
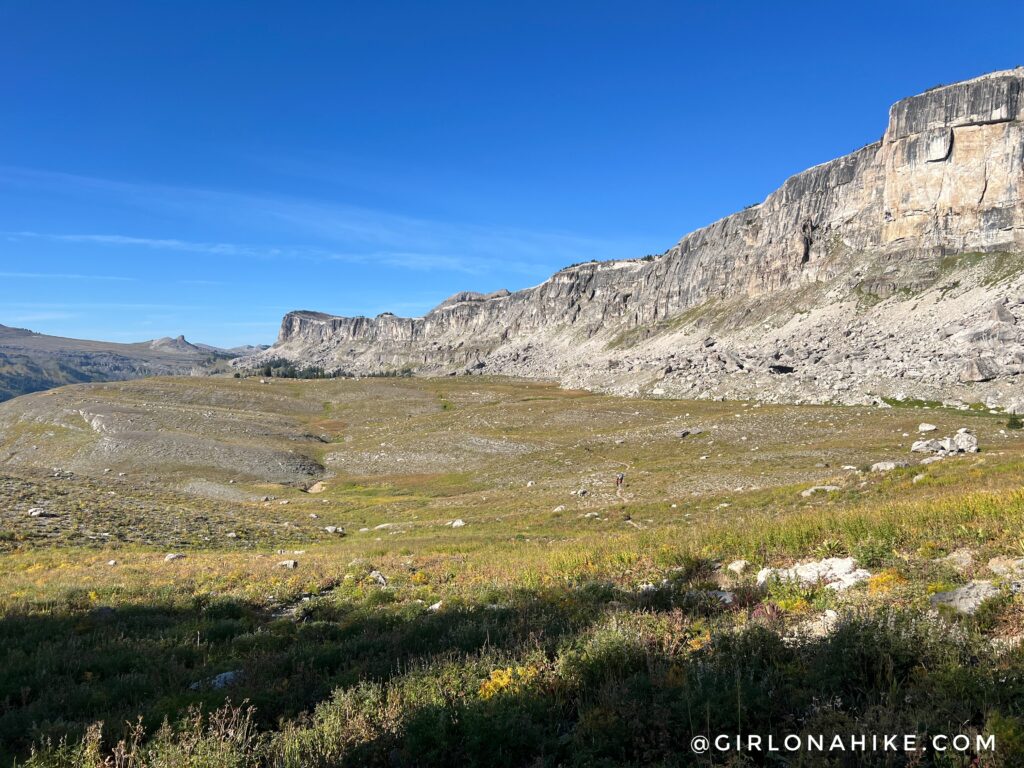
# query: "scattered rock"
{"type": "Point", "coordinates": [218, 682]}
{"type": "Point", "coordinates": [968, 598]}
{"type": "Point", "coordinates": [559, 508]}
{"type": "Point", "coordinates": [739, 567]}
{"type": "Point", "coordinates": [836, 573]}
{"type": "Point", "coordinates": [961, 559]}
{"type": "Point", "coordinates": [289, 564]}
{"type": "Point", "coordinates": [646, 588]}
{"type": "Point", "coordinates": [317, 487]}
{"type": "Point", "coordinates": [962, 442]}
{"type": "Point", "coordinates": [979, 369]}
{"type": "Point", "coordinates": [111, 563]}
{"type": "Point", "coordinates": [333, 529]}
{"type": "Point", "coordinates": [1006, 566]}
{"type": "Point", "coordinates": [435, 607]}
{"type": "Point", "coordinates": [171, 557]}
{"type": "Point", "coordinates": [819, 489]}
{"type": "Point", "coordinates": [457, 523]}
{"type": "Point", "coordinates": [926, 427]}
{"type": "Point", "coordinates": [821, 626]}
{"type": "Point", "coordinates": [383, 526]}
{"type": "Point", "coordinates": [723, 596]}
{"type": "Point", "coordinates": [887, 466]}
{"type": "Point", "coordinates": [378, 577]}
{"type": "Point", "coordinates": [39, 512]}
{"type": "Point", "coordinates": [1000, 314]}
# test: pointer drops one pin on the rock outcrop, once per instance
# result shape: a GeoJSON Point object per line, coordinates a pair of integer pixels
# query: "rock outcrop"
{"type": "Point", "coordinates": [897, 269]}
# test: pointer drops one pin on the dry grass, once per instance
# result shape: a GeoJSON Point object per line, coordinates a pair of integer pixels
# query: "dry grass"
{"type": "Point", "coordinates": [539, 595]}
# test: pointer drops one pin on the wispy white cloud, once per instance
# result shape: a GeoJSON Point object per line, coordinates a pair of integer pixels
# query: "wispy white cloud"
{"type": "Point", "coordinates": [421, 261]}
{"type": "Point", "coordinates": [61, 276]}
{"type": "Point", "coordinates": [164, 244]}
{"type": "Point", "coordinates": [40, 317]}
{"type": "Point", "coordinates": [91, 305]}
{"type": "Point", "coordinates": [325, 230]}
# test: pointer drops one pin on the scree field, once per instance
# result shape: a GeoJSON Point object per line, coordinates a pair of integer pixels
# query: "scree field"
{"type": "Point", "coordinates": [418, 572]}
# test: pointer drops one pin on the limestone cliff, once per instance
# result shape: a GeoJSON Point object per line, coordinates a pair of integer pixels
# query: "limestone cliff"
{"type": "Point", "coordinates": [896, 267]}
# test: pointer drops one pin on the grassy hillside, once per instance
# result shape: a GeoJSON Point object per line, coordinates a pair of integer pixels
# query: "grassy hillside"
{"type": "Point", "coordinates": [478, 608]}
{"type": "Point", "coordinates": [32, 362]}
{"type": "Point", "coordinates": [20, 374]}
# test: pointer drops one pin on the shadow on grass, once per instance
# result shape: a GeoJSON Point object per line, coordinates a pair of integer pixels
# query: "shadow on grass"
{"type": "Point", "coordinates": [60, 672]}
{"type": "Point", "coordinates": [617, 704]}
{"type": "Point", "coordinates": [582, 677]}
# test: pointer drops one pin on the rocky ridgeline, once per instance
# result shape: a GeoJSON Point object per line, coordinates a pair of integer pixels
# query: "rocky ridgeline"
{"type": "Point", "coordinates": [31, 361]}
{"type": "Point", "coordinates": [895, 270]}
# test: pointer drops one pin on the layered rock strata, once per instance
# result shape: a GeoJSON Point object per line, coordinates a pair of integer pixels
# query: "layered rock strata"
{"type": "Point", "coordinates": [896, 269]}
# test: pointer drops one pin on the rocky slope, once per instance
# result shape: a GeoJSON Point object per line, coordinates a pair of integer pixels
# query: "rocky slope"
{"type": "Point", "coordinates": [895, 270]}
{"type": "Point", "coordinates": [30, 361]}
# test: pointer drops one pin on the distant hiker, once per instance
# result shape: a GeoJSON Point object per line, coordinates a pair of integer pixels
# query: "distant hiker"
{"type": "Point", "coordinates": [619, 480]}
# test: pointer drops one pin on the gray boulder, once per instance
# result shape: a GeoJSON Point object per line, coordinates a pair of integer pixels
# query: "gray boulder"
{"type": "Point", "coordinates": [819, 489]}
{"type": "Point", "coordinates": [887, 466]}
{"type": "Point", "coordinates": [218, 682]}
{"type": "Point", "coordinates": [968, 598]}
{"type": "Point", "coordinates": [979, 369]}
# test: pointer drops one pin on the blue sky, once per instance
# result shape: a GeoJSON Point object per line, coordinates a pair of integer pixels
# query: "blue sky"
{"type": "Point", "coordinates": [203, 167]}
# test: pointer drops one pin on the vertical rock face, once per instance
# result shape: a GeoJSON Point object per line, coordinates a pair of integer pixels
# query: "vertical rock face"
{"type": "Point", "coordinates": [874, 255]}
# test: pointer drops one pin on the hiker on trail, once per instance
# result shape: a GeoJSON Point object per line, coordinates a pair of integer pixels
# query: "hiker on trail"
{"type": "Point", "coordinates": [619, 480]}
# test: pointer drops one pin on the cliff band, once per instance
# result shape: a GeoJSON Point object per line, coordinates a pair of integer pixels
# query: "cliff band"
{"type": "Point", "coordinates": [894, 270]}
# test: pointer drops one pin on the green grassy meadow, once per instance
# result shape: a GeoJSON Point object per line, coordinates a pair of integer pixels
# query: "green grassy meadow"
{"type": "Point", "coordinates": [550, 628]}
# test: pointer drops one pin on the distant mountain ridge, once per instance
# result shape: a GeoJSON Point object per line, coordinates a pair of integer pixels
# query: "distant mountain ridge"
{"type": "Point", "coordinates": [31, 361]}
{"type": "Point", "coordinates": [896, 269]}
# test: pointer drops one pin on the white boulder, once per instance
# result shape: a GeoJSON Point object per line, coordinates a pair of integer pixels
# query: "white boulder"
{"type": "Point", "coordinates": [836, 573]}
